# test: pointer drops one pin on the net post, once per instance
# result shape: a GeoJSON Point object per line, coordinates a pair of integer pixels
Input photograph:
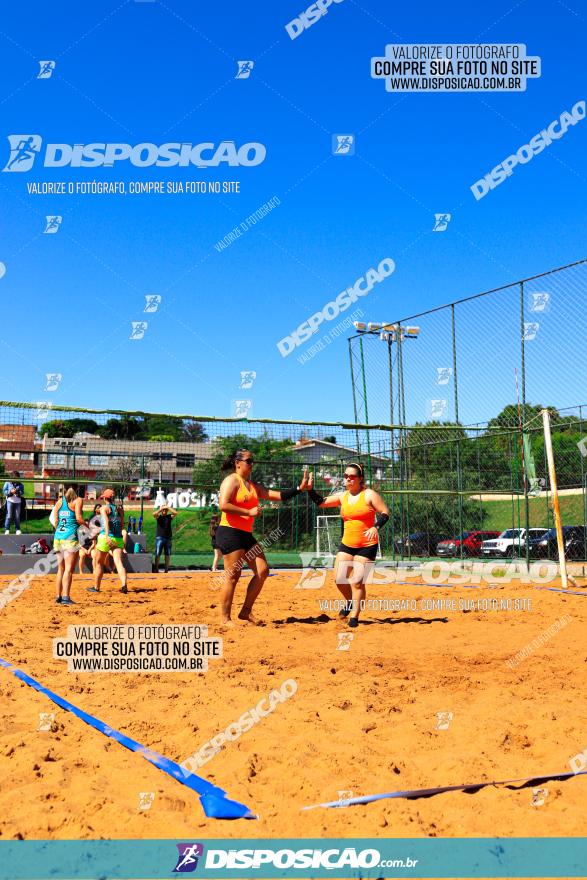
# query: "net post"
{"type": "Point", "coordinates": [554, 491]}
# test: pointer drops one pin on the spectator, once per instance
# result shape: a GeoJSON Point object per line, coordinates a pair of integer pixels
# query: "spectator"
{"type": "Point", "coordinates": [14, 494]}
{"type": "Point", "coordinates": [163, 538]}
{"type": "Point", "coordinates": [214, 522]}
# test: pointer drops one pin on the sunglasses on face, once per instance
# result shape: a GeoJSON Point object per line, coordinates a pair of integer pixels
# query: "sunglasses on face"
{"type": "Point", "coordinates": [247, 460]}
{"type": "Point", "coordinates": [351, 476]}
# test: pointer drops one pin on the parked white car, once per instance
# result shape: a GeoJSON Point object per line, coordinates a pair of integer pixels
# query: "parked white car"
{"type": "Point", "coordinates": [512, 542]}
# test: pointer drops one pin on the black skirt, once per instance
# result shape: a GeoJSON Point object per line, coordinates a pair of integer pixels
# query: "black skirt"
{"type": "Point", "coordinates": [228, 539]}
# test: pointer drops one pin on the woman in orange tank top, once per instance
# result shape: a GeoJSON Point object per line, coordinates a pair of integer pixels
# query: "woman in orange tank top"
{"type": "Point", "coordinates": [363, 513]}
{"type": "Point", "coordinates": [239, 503]}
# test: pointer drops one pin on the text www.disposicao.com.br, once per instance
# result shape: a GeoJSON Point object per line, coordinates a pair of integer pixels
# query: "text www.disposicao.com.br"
{"type": "Point", "coordinates": [134, 664]}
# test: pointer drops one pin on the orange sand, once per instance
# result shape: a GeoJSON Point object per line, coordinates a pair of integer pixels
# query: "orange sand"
{"type": "Point", "coordinates": [363, 720]}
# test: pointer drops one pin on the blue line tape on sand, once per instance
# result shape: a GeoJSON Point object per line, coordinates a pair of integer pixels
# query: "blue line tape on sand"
{"type": "Point", "coordinates": [481, 586]}
{"type": "Point", "coordinates": [426, 584]}
{"type": "Point", "coordinates": [213, 799]}
{"type": "Point", "coordinates": [428, 792]}
{"type": "Point", "coordinates": [562, 590]}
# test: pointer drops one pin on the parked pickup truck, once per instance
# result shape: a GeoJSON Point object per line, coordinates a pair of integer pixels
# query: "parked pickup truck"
{"type": "Point", "coordinates": [510, 543]}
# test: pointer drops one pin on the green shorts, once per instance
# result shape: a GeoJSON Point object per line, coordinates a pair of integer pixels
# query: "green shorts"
{"type": "Point", "coordinates": [68, 545]}
{"type": "Point", "coordinates": [102, 544]}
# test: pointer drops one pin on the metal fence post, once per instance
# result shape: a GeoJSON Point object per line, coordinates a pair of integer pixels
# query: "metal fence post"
{"type": "Point", "coordinates": [366, 409]}
{"type": "Point", "coordinates": [142, 484]}
{"type": "Point", "coordinates": [523, 364]}
{"type": "Point", "coordinates": [456, 403]}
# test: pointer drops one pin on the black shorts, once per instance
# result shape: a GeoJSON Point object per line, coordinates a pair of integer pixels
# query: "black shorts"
{"type": "Point", "coordinates": [228, 539]}
{"type": "Point", "coordinates": [369, 552]}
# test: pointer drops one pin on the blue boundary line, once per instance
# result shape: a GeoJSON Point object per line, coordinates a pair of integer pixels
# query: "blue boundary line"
{"type": "Point", "coordinates": [428, 792]}
{"type": "Point", "coordinates": [215, 803]}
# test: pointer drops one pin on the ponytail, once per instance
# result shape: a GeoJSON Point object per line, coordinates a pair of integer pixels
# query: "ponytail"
{"type": "Point", "coordinates": [230, 461]}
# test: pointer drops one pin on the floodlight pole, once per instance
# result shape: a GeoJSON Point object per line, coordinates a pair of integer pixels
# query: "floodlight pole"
{"type": "Point", "coordinates": [350, 341]}
{"type": "Point", "coordinates": [392, 439]}
{"type": "Point", "coordinates": [390, 367]}
{"type": "Point", "coordinates": [354, 380]}
{"type": "Point", "coordinates": [404, 462]}
{"type": "Point", "coordinates": [366, 410]}
{"type": "Point", "coordinates": [391, 333]}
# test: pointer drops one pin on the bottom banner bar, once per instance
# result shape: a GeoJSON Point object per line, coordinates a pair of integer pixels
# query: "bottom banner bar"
{"type": "Point", "coordinates": [362, 857]}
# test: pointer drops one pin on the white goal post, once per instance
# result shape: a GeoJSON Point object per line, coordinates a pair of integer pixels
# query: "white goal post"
{"type": "Point", "coordinates": [328, 531]}
{"type": "Point", "coordinates": [328, 535]}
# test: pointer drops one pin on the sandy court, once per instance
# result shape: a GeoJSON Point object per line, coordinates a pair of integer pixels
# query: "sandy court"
{"type": "Point", "coordinates": [362, 720]}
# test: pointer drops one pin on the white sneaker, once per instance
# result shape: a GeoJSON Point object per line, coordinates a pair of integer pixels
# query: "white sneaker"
{"type": "Point", "coordinates": [18, 532]}
{"type": "Point", "coordinates": [7, 531]}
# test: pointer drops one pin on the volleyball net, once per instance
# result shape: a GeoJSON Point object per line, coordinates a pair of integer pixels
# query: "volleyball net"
{"type": "Point", "coordinates": [438, 479]}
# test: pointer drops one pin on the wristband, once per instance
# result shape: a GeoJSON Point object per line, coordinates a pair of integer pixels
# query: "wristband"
{"type": "Point", "coordinates": [316, 497]}
{"type": "Point", "coordinates": [286, 494]}
{"type": "Point", "coordinates": [380, 520]}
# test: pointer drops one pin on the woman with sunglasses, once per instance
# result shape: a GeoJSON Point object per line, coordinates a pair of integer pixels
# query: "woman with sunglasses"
{"type": "Point", "coordinates": [239, 503]}
{"type": "Point", "coordinates": [363, 512]}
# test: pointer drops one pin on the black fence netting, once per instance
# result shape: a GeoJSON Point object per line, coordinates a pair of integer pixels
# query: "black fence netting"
{"type": "Point", "coordinates": [441, 481]}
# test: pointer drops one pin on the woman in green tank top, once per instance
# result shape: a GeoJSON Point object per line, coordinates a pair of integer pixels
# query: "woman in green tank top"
{"type": "Point", "coordinates": [110, 540]}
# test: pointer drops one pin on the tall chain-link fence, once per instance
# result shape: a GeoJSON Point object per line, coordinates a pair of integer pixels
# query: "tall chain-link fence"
{"type": "Point", "coordinates": [458, 363]}
{"type": "Point", "coordinates": [440, 481]}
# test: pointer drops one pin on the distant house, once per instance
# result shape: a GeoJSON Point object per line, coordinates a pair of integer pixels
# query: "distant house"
{"type": "Point", "coordinates": [316, 451]}
{"type": "Point", "coordinates": [18, 448]}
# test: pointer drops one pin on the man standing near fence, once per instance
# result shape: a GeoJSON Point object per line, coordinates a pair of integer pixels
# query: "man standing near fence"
{"type": "Point", "coordinates": [14, 494]}
{"type": "Point", "coordinates": [163, 538]}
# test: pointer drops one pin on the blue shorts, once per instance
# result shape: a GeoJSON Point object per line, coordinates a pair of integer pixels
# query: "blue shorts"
{"type": "Point", "coordinates": [163, 545]}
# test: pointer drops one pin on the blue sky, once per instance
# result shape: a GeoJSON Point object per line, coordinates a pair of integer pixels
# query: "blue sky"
{"type": "Point", "coordinates": [136, 72]}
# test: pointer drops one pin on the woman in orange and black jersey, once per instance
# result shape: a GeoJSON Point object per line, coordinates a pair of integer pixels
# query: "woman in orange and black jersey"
{"type": "Point", "coordinates": [239, 503]}
{"type": "Point", "coordinates": [363, 512]}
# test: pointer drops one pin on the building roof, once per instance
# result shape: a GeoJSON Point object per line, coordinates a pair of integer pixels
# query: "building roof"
{"type": "Point", "coordinates": [93, 444]}
{"type": "Point", "coordinates": [17, 438]}
{"type": "Point", "coordinates": [302, 445]}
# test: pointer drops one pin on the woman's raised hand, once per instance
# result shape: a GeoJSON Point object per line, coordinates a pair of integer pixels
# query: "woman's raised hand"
{"type": "Point", "coordinates": [307, 481]}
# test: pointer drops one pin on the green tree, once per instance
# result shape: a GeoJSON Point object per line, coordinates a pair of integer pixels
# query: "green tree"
{"type": "Point", "coordinates": [276, 467]}
{"type": "Point", "coordinates": [275, 463]}
{"type": "Point", "coordinates": [569, 463]}
{"type": "Point", "coordinates": [124, 428]}
{"type": "Point", "coordinates": [193, 431]}
{"type": "Point", "coordinates": [156, 426]}
{"type": "Point", "coordinates": [68, 427]}
{"type": "Point", "coordinates": [125, 472]}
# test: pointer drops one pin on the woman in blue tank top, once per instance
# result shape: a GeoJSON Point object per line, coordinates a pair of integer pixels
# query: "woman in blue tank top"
{"type": "Point", "coordinates": [67, 513]}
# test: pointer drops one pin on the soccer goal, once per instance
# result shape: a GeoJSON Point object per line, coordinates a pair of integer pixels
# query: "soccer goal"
{"type": "Point", "coordinates": [328, 531]}
{"type": "Point", "coordinates": [328, 535]}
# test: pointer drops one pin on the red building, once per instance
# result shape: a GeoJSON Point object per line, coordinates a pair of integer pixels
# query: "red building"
{"type": "Point", "coordinates": [18, 448]}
